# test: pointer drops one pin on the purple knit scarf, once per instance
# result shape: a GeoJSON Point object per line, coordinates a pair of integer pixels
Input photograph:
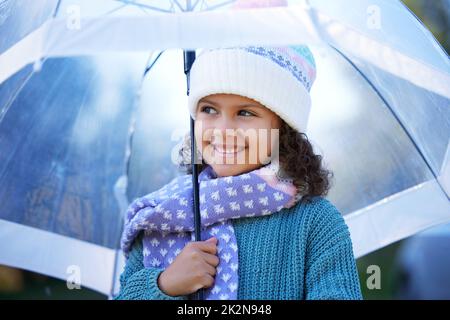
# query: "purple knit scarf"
{"type": "Point", "coordinates": [166, 217]}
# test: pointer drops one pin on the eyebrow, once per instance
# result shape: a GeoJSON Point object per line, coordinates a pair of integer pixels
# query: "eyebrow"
{"type": "Point", "coordinates": [240, 106]}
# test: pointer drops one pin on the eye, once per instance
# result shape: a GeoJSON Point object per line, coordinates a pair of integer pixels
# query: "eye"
{"type": "Point", "coordinates": [246, 113]}
{"type": "Point", "coordinates": [208, 110]}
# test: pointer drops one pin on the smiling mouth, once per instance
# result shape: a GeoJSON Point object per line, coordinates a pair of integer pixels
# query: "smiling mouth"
{"type": "Point", "coordinates": [227, 151]}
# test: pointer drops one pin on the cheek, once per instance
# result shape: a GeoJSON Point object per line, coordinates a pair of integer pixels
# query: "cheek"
{"type": "Point", "coordinates": [274, 131]}
{"type": "Point", "coordinates": [203, 132]}
{"type": "Point", "coordinates": [197, 131]}
{"type": "Point", "coordinates": [267, 128]}
{"type": "Point", "coordinates": [268, 137]}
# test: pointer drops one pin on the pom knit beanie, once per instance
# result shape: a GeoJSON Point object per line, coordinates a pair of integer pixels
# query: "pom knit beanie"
{"type": "Point", "coordinates": [280, 78]}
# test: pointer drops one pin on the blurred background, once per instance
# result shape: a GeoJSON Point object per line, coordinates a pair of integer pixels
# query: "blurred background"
{"type": "Point", "coordinates": [414, 268]}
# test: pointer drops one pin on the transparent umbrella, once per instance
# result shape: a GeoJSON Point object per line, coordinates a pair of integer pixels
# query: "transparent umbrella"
{"type": "Point", "coordinates": [92, 108]}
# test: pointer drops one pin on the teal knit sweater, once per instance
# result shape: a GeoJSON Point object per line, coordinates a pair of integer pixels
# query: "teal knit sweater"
{"type": "Point", "coordinates": [304, 252]}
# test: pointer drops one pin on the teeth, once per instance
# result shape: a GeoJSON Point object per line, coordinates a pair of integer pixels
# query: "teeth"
{"type": "Point", "coordinates": [228, 150]}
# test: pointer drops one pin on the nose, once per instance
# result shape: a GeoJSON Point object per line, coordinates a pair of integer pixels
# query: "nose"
{"type": "Point", "coordinates": [225, 122]}
{"type": "Point", "coordinates": [225, 130]}
{"type": "Point", "coordinates": [224, 125]}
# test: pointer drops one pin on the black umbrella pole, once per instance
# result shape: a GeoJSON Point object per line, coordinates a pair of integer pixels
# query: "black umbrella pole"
{"type": "Point", "coordinates": [189, 58]}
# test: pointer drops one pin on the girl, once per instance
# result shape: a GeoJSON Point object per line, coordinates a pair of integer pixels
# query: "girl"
{"type": "Point", "coordinates": [270, 233]}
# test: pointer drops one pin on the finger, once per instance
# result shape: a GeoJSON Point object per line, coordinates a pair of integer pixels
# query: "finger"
{"type": "Point", "coordinates": [210, 269]}
{"type": "Point", "coordinates": [212, 239]}
{"type": "Point", "coordinates": [211, 259]}
{"type": "Point", "coordinates": [208, 247]}
{"type": "Point", "coordinates": [208, 281]}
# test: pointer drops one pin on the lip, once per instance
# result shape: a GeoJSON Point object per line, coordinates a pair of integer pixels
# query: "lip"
{"type": "Point", "coordinates": [227, 151]}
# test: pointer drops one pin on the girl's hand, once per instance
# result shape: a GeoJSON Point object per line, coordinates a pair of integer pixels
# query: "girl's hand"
{"type": "Point", "coordinates": [194, 268]}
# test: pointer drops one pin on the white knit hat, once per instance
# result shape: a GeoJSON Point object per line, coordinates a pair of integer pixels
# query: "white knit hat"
{"type": "Point", "coordinates": [280, 78]}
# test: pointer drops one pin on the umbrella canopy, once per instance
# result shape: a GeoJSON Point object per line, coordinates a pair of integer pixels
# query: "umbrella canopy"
{"type": "Point", "coordinates": [92, 108]}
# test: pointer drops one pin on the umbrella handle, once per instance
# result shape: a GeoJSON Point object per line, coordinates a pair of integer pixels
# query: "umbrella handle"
{"type": "Point", "coordinates": [189, 58]}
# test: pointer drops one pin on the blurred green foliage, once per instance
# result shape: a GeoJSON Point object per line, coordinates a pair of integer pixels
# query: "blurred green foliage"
{"type": "Point", "coordinates": [26, 285]}
{"type": "Point", "coordinates": [435, 15]}
{"type": "Point", "coordinates": [385, 259]}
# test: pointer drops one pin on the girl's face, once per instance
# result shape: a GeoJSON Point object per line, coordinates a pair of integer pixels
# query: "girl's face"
{"type": "Point", "coordinates": [235, 134]}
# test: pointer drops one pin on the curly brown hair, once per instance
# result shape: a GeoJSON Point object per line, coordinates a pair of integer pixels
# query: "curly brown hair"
{"type": "Point", "coordinates": [297, 160]}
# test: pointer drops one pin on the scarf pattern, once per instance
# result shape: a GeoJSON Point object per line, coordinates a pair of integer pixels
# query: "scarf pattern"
{"type": "Point", "coordinates": [167, 220]}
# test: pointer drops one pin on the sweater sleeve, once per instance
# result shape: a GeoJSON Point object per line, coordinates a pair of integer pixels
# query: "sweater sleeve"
{"type": "Point", "coordinates": [331, 272]}
{"type": "Point", "coordinates": [138, 282]}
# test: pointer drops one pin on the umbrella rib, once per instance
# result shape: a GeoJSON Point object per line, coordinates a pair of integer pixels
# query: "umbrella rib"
{"type": "Point", "coordinates": [141, 5]}
{"type": "Point", "coordinates": [117, 9]}
{"type": "Point", "coordinates": [209, 8]}
{"type": "Point", "coordinates": [152, 64]}
{"type": "Point", "coordinates": [395, 116]}
{"type": "Point", "coordinates": [178, 5]}
{"type": "Point", "coordinates": [55, 13]}
{"type": "Point", "coordinates": [195, 4]}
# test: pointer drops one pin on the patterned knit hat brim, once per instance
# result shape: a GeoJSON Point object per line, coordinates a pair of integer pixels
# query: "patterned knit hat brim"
{"type": "Point", "coordinates": [280, 78]}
